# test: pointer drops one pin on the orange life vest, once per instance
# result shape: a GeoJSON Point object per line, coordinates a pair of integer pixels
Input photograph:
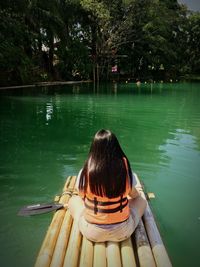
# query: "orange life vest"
{"type": "Point", "coordinates": [104, 210]}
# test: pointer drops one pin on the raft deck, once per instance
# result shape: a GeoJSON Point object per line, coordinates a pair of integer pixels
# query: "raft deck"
{"type": "Point", "coordinates": [64, 245]}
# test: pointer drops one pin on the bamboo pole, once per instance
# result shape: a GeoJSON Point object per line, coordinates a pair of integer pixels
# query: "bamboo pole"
{"type": "Point", "coordinates": [157, 246]}
{"type": "Point", "coordinates": [74, 247]}
{"type": "Point", "coordinates": [86, 259]}
{"type": "Point", "coordinates": [61, 245]}
{"type": "Point", "coordinates": [47, 248]}
{"type": "Point", "coordinates": [127, 253]}
{"type": "Point", "coordinates": [145, 255]}
{"type": "Point", "coordinates": [113, 254]}
{"type": "Point", "coordinates": [99, 255]}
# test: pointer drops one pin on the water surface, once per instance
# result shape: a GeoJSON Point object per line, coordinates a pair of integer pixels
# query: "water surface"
{"type": "Point", "coordinates": [45, 134]}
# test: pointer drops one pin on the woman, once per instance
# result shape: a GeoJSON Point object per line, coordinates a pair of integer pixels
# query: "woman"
{"type": "Point", "coordinates": [108, 207]}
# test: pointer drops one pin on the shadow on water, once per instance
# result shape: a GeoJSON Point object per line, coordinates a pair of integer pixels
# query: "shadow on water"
{"type": "Point", "coordinates": [110, 88]}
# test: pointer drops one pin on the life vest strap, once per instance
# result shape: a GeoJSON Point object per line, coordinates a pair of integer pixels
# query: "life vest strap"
{"type": "Point", "coordinates": [121, 200]}
{"type": "Point", "coordinates": [106, 203]}
{"type": "Point", "coordinates": [119, 208]}
{"type": "Point", "coordinates": [95, 205]}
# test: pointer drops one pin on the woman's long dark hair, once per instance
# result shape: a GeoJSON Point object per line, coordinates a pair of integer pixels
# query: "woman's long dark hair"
{"type": "Point", "coordinates": [105, 169]}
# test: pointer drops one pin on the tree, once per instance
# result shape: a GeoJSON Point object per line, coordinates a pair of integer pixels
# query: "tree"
{"type": "Point", "coordinates": [67, 39]}
{"type": "Point", "coordinates": [193, 44]}
{"type": "Point", "coordinates": [154, 30]}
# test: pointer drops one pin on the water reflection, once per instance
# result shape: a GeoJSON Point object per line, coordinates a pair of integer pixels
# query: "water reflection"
{"type": "Point", "coordinates": [115, 88]}
{"type": "Point", "coordinates": [49, 111]}
{"type": "Point", "coordinates": [76, 89]}
{"type": "Point", "coordinates": [176, 148]}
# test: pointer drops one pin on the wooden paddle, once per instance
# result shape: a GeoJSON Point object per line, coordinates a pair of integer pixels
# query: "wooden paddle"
{"type": "Point", "coordinates": [39, 209]}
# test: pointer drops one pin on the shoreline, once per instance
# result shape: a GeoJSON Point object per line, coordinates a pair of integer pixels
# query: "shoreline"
{"type": "Point", "coordinates": [43, 84]}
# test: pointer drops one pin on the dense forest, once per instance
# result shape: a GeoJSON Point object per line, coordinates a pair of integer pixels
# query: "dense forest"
{"type": "Point", "coordinates": [88, 39]}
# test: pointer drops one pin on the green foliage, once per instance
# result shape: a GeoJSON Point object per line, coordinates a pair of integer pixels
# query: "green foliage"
{"type": "Point", "coordinates": [14, 61]}
{"type": "Point", "coordinates": [68, 39]}
{"type": "Point", "coordinates": [193, 43]}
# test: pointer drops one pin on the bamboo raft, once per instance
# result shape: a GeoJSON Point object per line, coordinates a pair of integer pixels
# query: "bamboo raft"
{"type": "Point", "coordinates": [64, 245]}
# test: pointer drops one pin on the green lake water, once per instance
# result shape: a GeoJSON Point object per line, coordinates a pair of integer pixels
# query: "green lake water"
{"type": "Point", "coordinates": [45, 134]}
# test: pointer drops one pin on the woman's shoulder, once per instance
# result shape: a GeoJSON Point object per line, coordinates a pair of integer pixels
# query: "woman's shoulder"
{"type": "Point", "coordinates": [78, 179]}
{"type": "Point", "coordinates": [134, 181]}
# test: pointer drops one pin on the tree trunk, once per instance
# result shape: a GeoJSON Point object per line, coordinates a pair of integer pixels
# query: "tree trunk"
{"type": "Point", "coordinates": [51, 53]}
